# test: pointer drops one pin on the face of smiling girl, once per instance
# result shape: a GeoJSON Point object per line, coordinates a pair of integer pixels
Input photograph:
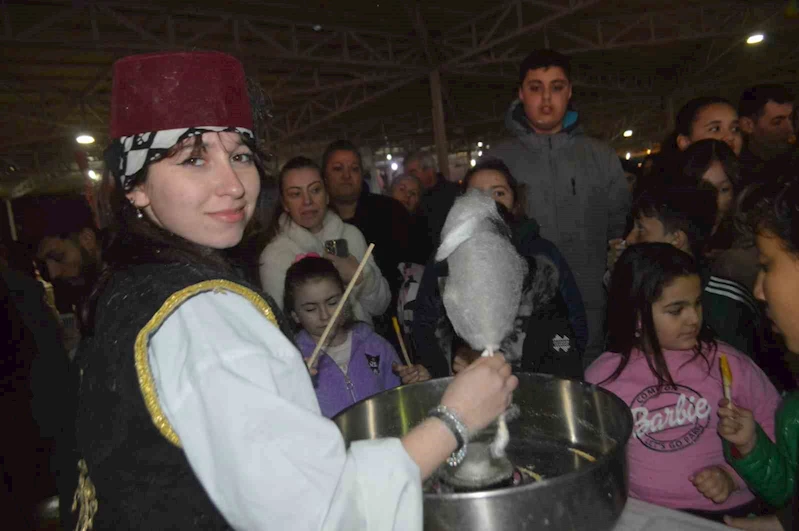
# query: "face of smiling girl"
{"type": "Point", "coordinates": [204, 193]}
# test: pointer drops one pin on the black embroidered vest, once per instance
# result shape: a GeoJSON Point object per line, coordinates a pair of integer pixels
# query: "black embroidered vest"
{"type": "Point", "coordinates": [140, 475]}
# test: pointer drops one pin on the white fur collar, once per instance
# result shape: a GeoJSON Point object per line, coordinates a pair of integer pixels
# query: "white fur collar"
{"type": "Point", "coordinates": [332, 229]}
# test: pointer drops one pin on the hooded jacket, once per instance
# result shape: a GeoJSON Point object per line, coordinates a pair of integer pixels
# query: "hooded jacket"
{"type": "Point", "coordinates": [528, 241]}
{"type": "Point", "coordinates": [369, 371]}
{"type": "Point", "coordinates": [577, 192]}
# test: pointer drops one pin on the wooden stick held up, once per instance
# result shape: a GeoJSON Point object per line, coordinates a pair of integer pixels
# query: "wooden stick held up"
{"type": "Point", "coordinates": [401, 341]}
{"type": "Point", "coordinates": [323, 339]}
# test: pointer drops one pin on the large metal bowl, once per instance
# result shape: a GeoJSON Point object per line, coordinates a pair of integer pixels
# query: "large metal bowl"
{"type": "Point", "coordinates": [555, 415]}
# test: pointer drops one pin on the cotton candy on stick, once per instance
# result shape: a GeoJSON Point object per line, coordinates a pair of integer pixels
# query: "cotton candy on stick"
{"type": "Point", "coordinates": [483, 290]}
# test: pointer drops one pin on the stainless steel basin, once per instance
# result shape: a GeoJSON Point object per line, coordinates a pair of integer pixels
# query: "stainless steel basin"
{"type": "Point", "coordinates": [555, 416]}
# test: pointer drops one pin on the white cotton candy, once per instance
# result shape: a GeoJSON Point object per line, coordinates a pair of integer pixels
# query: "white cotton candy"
{"type": "Point", "coordinates": [484, 285]}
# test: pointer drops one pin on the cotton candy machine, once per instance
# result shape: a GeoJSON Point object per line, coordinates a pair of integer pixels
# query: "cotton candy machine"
{"type": "Point", "coordinates": [567, 467]}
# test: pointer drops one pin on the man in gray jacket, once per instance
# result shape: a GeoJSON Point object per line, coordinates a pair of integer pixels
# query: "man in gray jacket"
{"type": "Point", "coordinates": [576, 188]}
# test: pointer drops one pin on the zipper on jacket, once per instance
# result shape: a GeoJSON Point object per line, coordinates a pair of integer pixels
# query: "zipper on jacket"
{"type": "Point", "coordinates": [350, 387]}
{"type": "Point", "coordinates": [554, 181]}
{"type": "Point", "coordinates": [347, 380]}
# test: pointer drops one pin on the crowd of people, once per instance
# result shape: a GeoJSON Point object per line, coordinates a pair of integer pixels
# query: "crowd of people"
{"type": "Point", "coordinates": [198, 310]}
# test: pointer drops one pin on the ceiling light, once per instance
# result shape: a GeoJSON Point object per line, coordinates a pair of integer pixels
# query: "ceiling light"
{"type": "Point", "coordinates": [85, 139]}
{"type": "Point", "coordinates": [479, 153]}
{"type": "Point", "coordinates": [317, 27]}
{"type": "Point", "coordinates": [388, 157]}
{"type": "Point", "coordinates": [648, 151]}
{"type": "Point", "coordinates": [628, 155]}
{"type": "Point", "coordinates": [394, 166]}
{"type": "Point", "coordinates": [92, 175]}
{"type": "Point", "coordinates": [473, 163]}
{"type": "Point", "coordinates": [628, 133]}
{"type": "Point", "coordinates": [479, 144]}
{"type": "Point", "coordinates": [755, 38]}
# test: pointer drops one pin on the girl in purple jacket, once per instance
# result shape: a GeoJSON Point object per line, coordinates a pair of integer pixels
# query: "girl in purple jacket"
{"type": "Point", "coordinates": [355, 363]}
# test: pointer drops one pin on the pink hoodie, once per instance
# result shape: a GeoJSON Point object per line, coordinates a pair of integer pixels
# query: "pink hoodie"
{"type": "Point", "coordinates": [674, 432]}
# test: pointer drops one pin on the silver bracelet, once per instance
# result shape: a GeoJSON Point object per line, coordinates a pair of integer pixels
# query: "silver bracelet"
{"type": "Point", "coordinates": [458, 429]}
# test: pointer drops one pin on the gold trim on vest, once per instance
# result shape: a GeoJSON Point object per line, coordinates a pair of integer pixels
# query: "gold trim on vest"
{"type": "Point", "coordinates": [143, 372]}
{"type": "Point", "coordinates": [85, 497]}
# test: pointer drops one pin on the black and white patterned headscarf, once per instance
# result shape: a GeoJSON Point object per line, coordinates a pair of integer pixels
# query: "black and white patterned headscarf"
{"type": "Point", "coordinates": [129, 154]}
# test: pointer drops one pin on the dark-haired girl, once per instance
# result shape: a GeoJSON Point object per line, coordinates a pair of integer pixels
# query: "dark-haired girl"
{"type": "Point", "coordinates": [663, 362]}
{"type": "Point", "coordinates": [711, 163]}
{"type": "Point", "coordinates": [706, 117]}
{"type": "Point", "coordinates": [355, 363]}
{"type": "Point", "coordinates": [302, 223]}
{"type": "Point", "coordinates": [768, 465]}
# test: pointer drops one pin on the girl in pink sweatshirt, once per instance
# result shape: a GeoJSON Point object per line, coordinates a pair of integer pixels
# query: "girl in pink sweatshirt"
{"type": "Point", "coordinates": [664, 363]}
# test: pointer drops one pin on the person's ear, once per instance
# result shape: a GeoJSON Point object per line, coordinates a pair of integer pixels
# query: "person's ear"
{"type": "Point", "coordinates": [683, 142]}
{"type": "Point", "coordinates": [680, 240]}
{"type": "Point", "coordinates": [138, 197]}
{"type": "Point", "coordinates": [88, 239]}
{"type": "Point", "coordinates": [570, 91]}
{"type": "Point", "coordinates": [521, 93]}
{"type": "Point", "coordinates": [747, 125]}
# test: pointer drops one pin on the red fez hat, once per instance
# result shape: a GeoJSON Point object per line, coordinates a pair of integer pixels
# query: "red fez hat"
{"type": "Point", "coordinates": [173, 90]}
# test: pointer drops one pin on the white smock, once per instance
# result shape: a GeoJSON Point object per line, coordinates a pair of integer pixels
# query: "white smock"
{"type": "Point", "coordinates": [239, 396]}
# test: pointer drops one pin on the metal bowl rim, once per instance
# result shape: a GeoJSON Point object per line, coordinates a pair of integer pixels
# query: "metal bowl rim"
{"type": "Point", "coordinates": [601, 460]}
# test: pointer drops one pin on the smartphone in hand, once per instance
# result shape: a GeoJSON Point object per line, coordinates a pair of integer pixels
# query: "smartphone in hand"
{"type": "Point", "coordinates": [337, 247]}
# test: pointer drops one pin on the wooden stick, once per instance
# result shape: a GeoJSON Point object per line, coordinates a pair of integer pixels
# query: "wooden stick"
{"type": "Point", "coordinates": [340, 305]}
{"type": "Point", "coordinates": [401, 342]}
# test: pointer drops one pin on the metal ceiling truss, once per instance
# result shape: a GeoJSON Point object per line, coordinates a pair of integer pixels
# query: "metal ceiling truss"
{"type": "Point", "coordinates": [318, 72]}
{"type": "Point", "coordinates": [142, 27]}
{"type": "Point", "coordinates": [628, 82]}
{"type": "Point", "coordinates": [653, 28]}
{"type": "Point", "coordinates": [313, 112]}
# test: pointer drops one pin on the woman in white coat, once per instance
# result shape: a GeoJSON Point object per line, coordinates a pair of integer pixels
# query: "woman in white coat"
{"type": "Point", "coordinates": [302, 224]}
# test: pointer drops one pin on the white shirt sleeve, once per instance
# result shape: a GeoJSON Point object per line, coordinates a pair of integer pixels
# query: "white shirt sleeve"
{"type": "Point", "coordinates": [238, 395]}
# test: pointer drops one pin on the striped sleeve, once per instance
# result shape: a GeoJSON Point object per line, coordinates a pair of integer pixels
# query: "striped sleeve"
{"type": "Point", "coordinates": [732, 290]}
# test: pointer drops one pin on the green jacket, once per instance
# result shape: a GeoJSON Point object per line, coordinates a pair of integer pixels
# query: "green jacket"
{"type": "Point", "coordinates": [770, 469]}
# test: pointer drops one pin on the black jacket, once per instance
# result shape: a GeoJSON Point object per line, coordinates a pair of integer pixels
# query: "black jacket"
{"type": "Point", "coordinates": [432, 213]}
{"type": "Point", "coordinates": [38, 392]}
{"type": "Point", "coordinates": [384, 222]}
{"type": "Point", "coordinates": [543, 339]}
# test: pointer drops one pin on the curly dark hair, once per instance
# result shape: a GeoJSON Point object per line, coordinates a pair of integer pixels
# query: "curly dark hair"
{"type": "Point", "coordinates": [772, 207]}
